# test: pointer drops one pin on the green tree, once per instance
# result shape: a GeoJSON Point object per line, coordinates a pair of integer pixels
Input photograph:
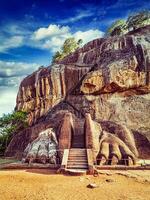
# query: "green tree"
{"type": "Point", "coordinates": [80, 42]}
{"type": "Point", "coordinates": [117, 28]}
{"type": "Point", "coordinates": [58, 56]}
{"type": "Point", "coordinates": [69, 46]}
{"type": "Point", "coordinates": [10, 124]}
{"type": "Point", "coordinates": [138, 20]}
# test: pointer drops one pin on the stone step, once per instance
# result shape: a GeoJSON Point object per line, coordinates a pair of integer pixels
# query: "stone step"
{"type": "Point", "coordinates": [79, 130]}
{"type": "Point", "coordinates": [79, 149]}
{"type": "Point", "coordinates": [78, 141]}
{"type": "Point", "coordinates": [78, 124]}
{"type": "Point", "coordinates": [78, 135]}
{"type": "Point", "coordinates": [77, 158]}
{"type": "Point", "coordinates": [77, 163]}
{"type": "Point", "coordinates": [78, 121]}
{"type": "Point", "coordinates": [81, 139]}
{"type": "Point", "coordinates": [76, 153]}
{"type": "Point", "coordinates": [77, 167]}
{"type": "Point", "coordinates": [78, 145]}
{"type": "Point", "coordinates": [78, 138]}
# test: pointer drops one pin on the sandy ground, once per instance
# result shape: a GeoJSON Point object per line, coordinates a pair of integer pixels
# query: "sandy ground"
{"type": "Point", "coordinates": [46, 185]}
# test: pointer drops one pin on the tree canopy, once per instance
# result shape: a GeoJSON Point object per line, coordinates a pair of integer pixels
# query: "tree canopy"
{"type": "Point", "coordinates": [138, 20]}
{"type": "Point", "coordinates": [117, 28]}
{"type": "Point", "coordinates": [134, 21]}
{"type": "Point", "coordinates": [9, 125]}
{"type": "Point", "coordinates": [69, 46]}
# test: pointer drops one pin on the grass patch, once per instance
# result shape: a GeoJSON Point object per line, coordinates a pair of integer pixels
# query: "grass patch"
{"type": "Point", "coordinates": [7, 161]}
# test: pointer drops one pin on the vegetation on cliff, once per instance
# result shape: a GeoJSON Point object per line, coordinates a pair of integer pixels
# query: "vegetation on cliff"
{"type": "Point", "coordinates": [69, 46]}
{"type": "Point", "coordinates": [9, 125]}
{"type": "Point", "coordinates": [119, 27]}
{"type": "Point", "coordinates": [133, 22]}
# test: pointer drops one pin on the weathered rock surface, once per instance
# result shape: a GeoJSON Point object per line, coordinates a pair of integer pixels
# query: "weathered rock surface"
{"type": "Point", "coordinates": [47, 87]}
{"type": "Point", "coordinates": [108, 78]}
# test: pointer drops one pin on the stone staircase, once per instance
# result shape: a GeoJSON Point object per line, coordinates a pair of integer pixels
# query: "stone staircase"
{"type": "Point", "coordinates": [77, 159]}
{"type": "Point", "coordinates": [78, 140]}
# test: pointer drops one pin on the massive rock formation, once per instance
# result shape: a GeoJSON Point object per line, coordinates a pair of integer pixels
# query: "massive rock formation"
{"type": "Point", "coordinates": [108, 78]}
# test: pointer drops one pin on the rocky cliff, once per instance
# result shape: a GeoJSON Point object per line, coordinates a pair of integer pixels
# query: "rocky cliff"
{"type": "Point", "coordinates": [108, 78]}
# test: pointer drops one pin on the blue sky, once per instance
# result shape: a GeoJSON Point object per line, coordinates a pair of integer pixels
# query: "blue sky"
{"type": "Point", "coordinates": [32, 30]}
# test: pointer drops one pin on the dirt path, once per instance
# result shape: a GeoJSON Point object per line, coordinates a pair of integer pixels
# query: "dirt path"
{"type": "Point", "coordinates": [45, 185]}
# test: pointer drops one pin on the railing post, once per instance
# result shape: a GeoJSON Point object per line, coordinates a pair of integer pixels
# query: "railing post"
{"type": "Point", "coordinates": [64, 159]}
{"type": "Point", "coordinates": [90, 161]}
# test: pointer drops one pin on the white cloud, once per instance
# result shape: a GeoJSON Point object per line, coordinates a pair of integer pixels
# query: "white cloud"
{"type": "Point", "coordinates": [11, 74]}
{"type": "Point", "coordinates": [15, 69]}
{"type": "Point", "coordinates": [49, 38]}
{"type": "Point", "coordinates": [80, 15]}
{"type": "Point", "coordinates": [53, 37]}
{"type": "Point", "coordinates": [55, 42]}
{"type": "Point", "coordinates": [10, 81]}
{"type": "Point", "coordinates": [122, 4]}
{"type": "Point", "coordinates": [89, 35]}
{"type": "Point", "coordinates": [17, 29]}
{"type": "Point", "coordinates": [52, 30]}
{"type": "Point", "coordinates": [7, 100]}
{"type": "Point", "coordinates": [10, 42]}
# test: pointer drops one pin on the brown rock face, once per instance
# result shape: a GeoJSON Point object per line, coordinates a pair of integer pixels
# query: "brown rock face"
{"type": "Point", "coordinates": [45, 88]}
{"type": "Point", "coordinates": [108, 78]}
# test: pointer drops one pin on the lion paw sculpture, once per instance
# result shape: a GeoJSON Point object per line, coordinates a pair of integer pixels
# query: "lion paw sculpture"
{"type": "Point", "coordinates": [43, 149]}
